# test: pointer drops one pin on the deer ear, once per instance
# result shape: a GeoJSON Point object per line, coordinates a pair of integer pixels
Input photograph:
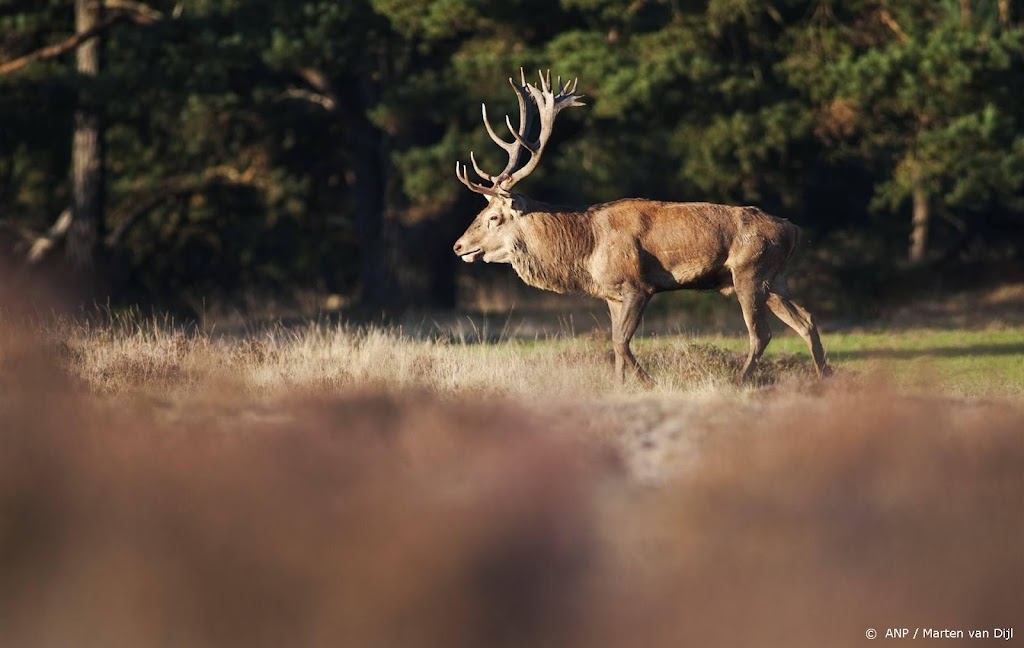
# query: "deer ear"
{"type": "Point", "coordinates": [517, 205]}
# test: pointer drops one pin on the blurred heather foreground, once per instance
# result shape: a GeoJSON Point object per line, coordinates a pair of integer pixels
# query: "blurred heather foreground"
{"type": "Point", "coordinates": [213, 512]}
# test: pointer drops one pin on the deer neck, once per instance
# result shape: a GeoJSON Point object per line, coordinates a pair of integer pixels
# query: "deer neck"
{"type": "Point", "coordinates": [552, 250]}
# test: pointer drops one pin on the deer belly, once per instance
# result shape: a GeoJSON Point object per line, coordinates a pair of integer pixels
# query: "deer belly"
{"type": "Point", "coordinates": [692, 278]}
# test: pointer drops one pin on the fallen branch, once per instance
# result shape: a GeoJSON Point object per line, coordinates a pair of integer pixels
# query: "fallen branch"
{"type": "Point", "coordinates": [43, 244]}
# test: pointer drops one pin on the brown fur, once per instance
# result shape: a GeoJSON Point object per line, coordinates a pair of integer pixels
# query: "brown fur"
{"type": "Point", "coordinates": [553, 249]}
{"type": "Point", "coordinates": [627, 251]}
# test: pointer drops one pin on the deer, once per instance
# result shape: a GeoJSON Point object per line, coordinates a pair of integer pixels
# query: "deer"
{"type": "Point", "coordinates": [624, 252]}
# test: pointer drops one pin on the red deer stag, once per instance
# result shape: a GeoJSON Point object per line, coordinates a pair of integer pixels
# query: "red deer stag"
{"type": "Point", "coordinates": [626, 251]}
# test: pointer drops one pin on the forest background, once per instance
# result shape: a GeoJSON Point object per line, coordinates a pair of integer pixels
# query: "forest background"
{"type": "Point", "coordinates": [297, 155]}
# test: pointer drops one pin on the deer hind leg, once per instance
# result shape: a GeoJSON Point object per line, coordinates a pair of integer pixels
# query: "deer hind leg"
{"type": "Point", "coordinates": [800, 320]}
{"type": "Point", "coordinates": [625, 320]}
{"type": "Point", "coordinates": [753, 296]}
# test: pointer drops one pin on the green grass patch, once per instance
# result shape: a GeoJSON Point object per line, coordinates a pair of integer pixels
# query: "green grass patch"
{"type": "Point", "coordinates": [959, 362]}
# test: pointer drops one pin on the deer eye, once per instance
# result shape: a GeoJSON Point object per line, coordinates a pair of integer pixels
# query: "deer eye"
{"type": "Point", "coordinates": [493, 218]}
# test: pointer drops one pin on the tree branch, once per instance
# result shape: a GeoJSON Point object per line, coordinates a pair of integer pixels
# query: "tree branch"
{"type": "Point", "coordinates": [143, 13]}
{"type": "Point", "coordinates": [40, 245]}
{"type": "Point", "coordinates": [324, 101]}
{"type": "Point", "coordinates": [315, 78]}
{"type": "Point", "coordinates": [893, 26]}
{"type": "Point", "coordinates": [129, 218]}
{"type": "Point", "coordinates": [173, 188]}
{"type": "Point", "coordinates": [52, 51]}
{"type": "Point", "coordinates": [122, 11]}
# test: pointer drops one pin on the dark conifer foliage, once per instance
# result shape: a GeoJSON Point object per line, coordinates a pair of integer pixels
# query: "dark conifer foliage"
{"type": "Point", "coordinates": [176, 152]}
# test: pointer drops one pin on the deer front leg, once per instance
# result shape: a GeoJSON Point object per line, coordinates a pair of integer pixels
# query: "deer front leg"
{"type": "Point", "coordinates": [626, 316]}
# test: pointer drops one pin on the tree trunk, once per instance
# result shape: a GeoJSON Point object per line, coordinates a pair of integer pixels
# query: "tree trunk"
{"type": "Point", "coordinates": [369, 207]}
{"type": "Point", "coordinates": [1004, 13]}
{"type": "Point", "coordinates": [443, 288]}
{"type": "Point", "coordinates": [87, 160]}
{"type": "Point", "coordinates": [965, 12]}
{"type": "Point", "coordinates": [919, 226]}
{"type": "Point", "coordinates": [371, 166]}
{"type": "Point", "coordinates": [369, 160]}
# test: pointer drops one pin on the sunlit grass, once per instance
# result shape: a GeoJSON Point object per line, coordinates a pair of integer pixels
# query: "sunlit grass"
{"type": "Point", "coordinates": [140, 354]}
{"type": "Point", "coordinates": [956, 361]}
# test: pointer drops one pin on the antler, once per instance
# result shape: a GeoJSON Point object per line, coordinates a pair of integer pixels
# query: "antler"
{"type": "Point", "coordinates": [534, 103]}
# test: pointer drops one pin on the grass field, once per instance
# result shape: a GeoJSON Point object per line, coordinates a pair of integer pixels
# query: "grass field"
{"type": "Point", "coordinates": [332, 485]}
{"type": "Point", "coordinates": [961, 362]}
{"type": "Point", "coordinates": [136, 354]}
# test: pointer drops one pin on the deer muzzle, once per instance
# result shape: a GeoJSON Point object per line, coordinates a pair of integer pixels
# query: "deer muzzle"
{"type": "Point", "coordinates": [467, 255]}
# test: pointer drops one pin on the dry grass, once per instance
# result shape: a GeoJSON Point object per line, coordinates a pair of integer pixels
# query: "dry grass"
{"type": "Point", "coordinates": [335, 486]}
{"type": "Point", "coordinates": [129, 354]}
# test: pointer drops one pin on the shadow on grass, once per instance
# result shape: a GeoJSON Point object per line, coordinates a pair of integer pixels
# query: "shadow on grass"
{"type": "Point", "coordinates": [697, 362]}
{"type": "Point", "coordinates": [939, 351]}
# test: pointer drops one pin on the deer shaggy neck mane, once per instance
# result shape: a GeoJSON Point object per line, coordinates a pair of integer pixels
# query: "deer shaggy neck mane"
{"type": "Point", "coordinates": [553, 248]}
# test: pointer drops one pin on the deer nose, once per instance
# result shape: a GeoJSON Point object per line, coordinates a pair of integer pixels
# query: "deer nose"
{"type": "Point", "coordinates": [458, 247]}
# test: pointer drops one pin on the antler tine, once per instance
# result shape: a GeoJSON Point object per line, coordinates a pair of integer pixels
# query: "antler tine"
{"type": "Point", "coordinates": [530, 146]}
{"type": "Point", "coordinates": [513, 148]}
{"type": "Point", "coordinates": [508, 146]}
{"type": "Point", "coordinates": [567, 97]}
{"type": "Point", "coordinates": [525, 115]}
{"type": "Point", "coordinates": [462, 173]}
{"type": "Point", "coordinates": [476, 167]}
{"type": "Point", "coordinates": [542, 103]}
{"type": "Point", "coordinates": [526, 118]}
{"type": "Point", "coordinates": [547, 105]}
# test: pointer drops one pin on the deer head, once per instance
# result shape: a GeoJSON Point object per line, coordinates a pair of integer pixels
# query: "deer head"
{"type": "Point", "coordinates": [492, 233]}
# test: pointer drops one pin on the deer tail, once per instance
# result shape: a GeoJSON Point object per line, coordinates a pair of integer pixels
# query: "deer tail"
{"type": "Point", "coordinates": [794, 239]}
